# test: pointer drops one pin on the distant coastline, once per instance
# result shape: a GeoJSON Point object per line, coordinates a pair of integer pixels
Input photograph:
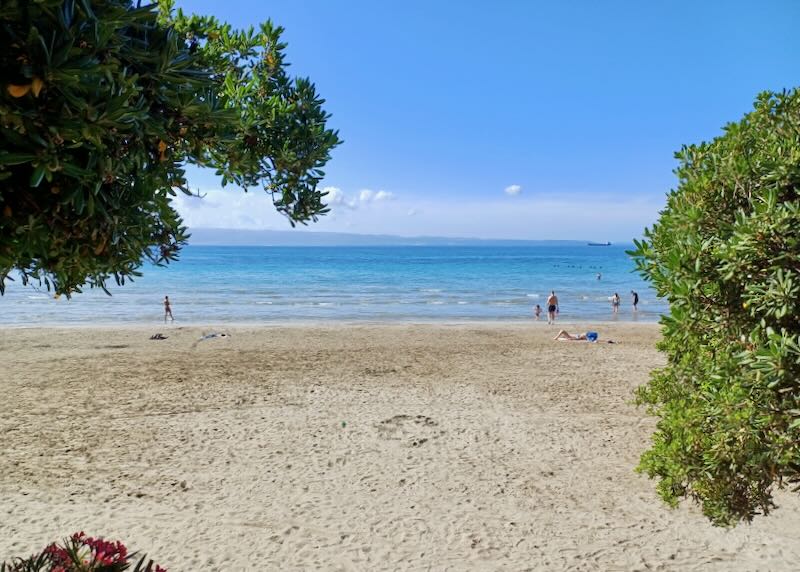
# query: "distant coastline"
{"type": "Point", "coordinates": [239, 237]}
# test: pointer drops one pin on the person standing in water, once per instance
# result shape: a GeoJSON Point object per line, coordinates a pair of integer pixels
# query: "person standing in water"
{"type": "Point", "coordinates": [537, 311]}
{"type": "Point", "coordinates": [635, 296]}
{"type": "Point", "coordinates": [552, 307]}
{"type": "Point", "coordinates": [615, 302]}
{"type": "Point", "coordinates": [167, 310]}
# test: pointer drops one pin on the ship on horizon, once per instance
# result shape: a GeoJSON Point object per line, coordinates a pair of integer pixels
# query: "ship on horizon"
{"type": "Point", "coordinates": [598, 243]}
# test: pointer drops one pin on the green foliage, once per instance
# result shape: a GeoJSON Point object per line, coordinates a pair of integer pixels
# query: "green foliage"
{"type": "Point", "coordinates": [726, 254]}
{"type": "Point", "coordinates": [102, 103]}
{"type": "Point", "coordinates": [81, 553]}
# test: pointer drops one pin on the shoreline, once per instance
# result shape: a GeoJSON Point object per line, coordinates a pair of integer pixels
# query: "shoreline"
{"type": "Point", "coordinates": [331, 323]}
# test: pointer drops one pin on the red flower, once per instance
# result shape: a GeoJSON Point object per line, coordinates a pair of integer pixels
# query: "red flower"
{"type": "Point", "coordinates": [58, 556]}
{"type": "Point", "coordinates": [86, 554]}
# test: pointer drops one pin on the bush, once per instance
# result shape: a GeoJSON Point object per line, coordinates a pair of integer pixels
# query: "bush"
{"type": "Point", "coordinates": [102, 104]}
{"type": "Point", "coordinates": [81, 553]}
{"type": "Point", "coordinates": [725, 252]}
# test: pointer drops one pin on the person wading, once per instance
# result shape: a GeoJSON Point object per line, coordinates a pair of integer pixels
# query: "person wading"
{"type": "Point", "coordinates": [167, 310]}
{"type": "Point", "coordinates": [552, 307]}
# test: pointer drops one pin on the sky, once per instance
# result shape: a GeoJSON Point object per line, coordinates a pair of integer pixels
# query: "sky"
{"type": "Point", "coordinates": [510, 119]}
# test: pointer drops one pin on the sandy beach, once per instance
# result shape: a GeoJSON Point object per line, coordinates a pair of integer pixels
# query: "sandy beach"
{"type": "Point", "coordinates": [351, 447]}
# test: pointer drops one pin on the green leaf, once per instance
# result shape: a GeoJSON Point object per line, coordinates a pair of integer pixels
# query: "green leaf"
{"type": "Point", "coordinates": [16, 158]}
{"type": "Point", "coordinates": [37, 175]}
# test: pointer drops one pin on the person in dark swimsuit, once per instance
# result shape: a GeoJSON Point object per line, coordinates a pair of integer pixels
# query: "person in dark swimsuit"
{"type": "Point", "coordinates": [552, 307]}
{"type": "Point", "coordinates": [635, 296]}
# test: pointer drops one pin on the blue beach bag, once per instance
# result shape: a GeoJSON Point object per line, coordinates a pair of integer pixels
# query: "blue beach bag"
{"type": "Point", "coordinates": [592, 336]}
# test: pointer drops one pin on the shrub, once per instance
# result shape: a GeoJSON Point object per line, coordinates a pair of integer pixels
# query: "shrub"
{"type": "Point", "coordinates": [725, 252]}
{"type": "Point", "coordinates": [81, 553]}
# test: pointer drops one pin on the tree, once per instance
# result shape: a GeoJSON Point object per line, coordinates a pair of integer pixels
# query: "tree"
{"type": "Point", "coordinates": [103, 103]}
{"type": "Point", "coordinates": [725, 252]}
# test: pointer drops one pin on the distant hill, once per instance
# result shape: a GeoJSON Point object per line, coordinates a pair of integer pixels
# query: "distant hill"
{"type": "Point", "coordinates": [234, 237]}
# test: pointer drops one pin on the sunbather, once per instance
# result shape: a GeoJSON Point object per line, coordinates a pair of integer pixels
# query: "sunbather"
{"type": "Point", "coordinates": [585, 336]}
{"type": "Point", "coordinates": [565, 335]}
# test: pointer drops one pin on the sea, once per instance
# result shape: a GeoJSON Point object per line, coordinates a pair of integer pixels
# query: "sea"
{"type": "Point", "coordinates": [283, 284]}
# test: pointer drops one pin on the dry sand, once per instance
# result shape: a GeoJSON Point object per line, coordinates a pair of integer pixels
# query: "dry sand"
{"type": "Point", "coordinates": [351, 447]}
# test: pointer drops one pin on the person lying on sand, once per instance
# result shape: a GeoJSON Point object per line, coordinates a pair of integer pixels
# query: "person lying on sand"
{"type": "Point", "coordinates": [212, 335]}
{"type": "Point", "coordinates": [583, 337]}
{"type": "Point", "coordinates": [565, 335]}
{"type": "Point", "coordinates": [209, 336]}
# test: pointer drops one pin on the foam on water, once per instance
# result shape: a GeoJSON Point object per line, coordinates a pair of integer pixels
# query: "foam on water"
{"type": "Point", "coordinates": [213, 284]}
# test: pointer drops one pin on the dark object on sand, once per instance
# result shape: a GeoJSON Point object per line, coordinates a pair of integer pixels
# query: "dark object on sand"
{"type": "Point", "coordinates": [213, 335]}
{"type": "Point", "coordinates": [210, 336]}
{"type": "Point", "coordinates": [158, 336]}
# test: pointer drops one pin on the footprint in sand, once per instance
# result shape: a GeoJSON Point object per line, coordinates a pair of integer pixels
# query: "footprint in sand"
{"type": "Point", "coordinates": [413, 430]}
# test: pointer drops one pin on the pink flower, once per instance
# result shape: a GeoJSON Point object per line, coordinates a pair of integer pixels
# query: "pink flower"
{"type": "Point", "coordinates": [82, 553]}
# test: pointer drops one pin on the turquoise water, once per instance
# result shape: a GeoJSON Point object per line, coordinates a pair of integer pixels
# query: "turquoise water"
{"type": "Point", "coordinates": [256, 284]}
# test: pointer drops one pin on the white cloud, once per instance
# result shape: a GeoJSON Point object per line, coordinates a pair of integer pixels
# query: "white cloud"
{"type": "Point", "coordinates": [228, 208]}
{"type": "Point", "coordinates": [333, 195]}
{"type": "Point", "coordinates": [562, 215]}
{"type": "Point", "coordinates": [336, 197]}
{"type": "Point", "coordinates": [546, 216]}
{"type": "Point", "coordinates": [513, 190]}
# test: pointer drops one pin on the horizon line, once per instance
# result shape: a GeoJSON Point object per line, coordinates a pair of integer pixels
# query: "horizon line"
{"type": "Point", "coordinates": [305, 235]}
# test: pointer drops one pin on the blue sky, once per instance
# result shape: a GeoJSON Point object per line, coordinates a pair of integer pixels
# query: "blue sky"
{"type": "Point", "coordinates": [512, 119]}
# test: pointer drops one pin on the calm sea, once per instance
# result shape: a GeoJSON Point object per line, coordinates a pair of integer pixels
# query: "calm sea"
{"type": "Point", "coordinates": [257, 284]}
